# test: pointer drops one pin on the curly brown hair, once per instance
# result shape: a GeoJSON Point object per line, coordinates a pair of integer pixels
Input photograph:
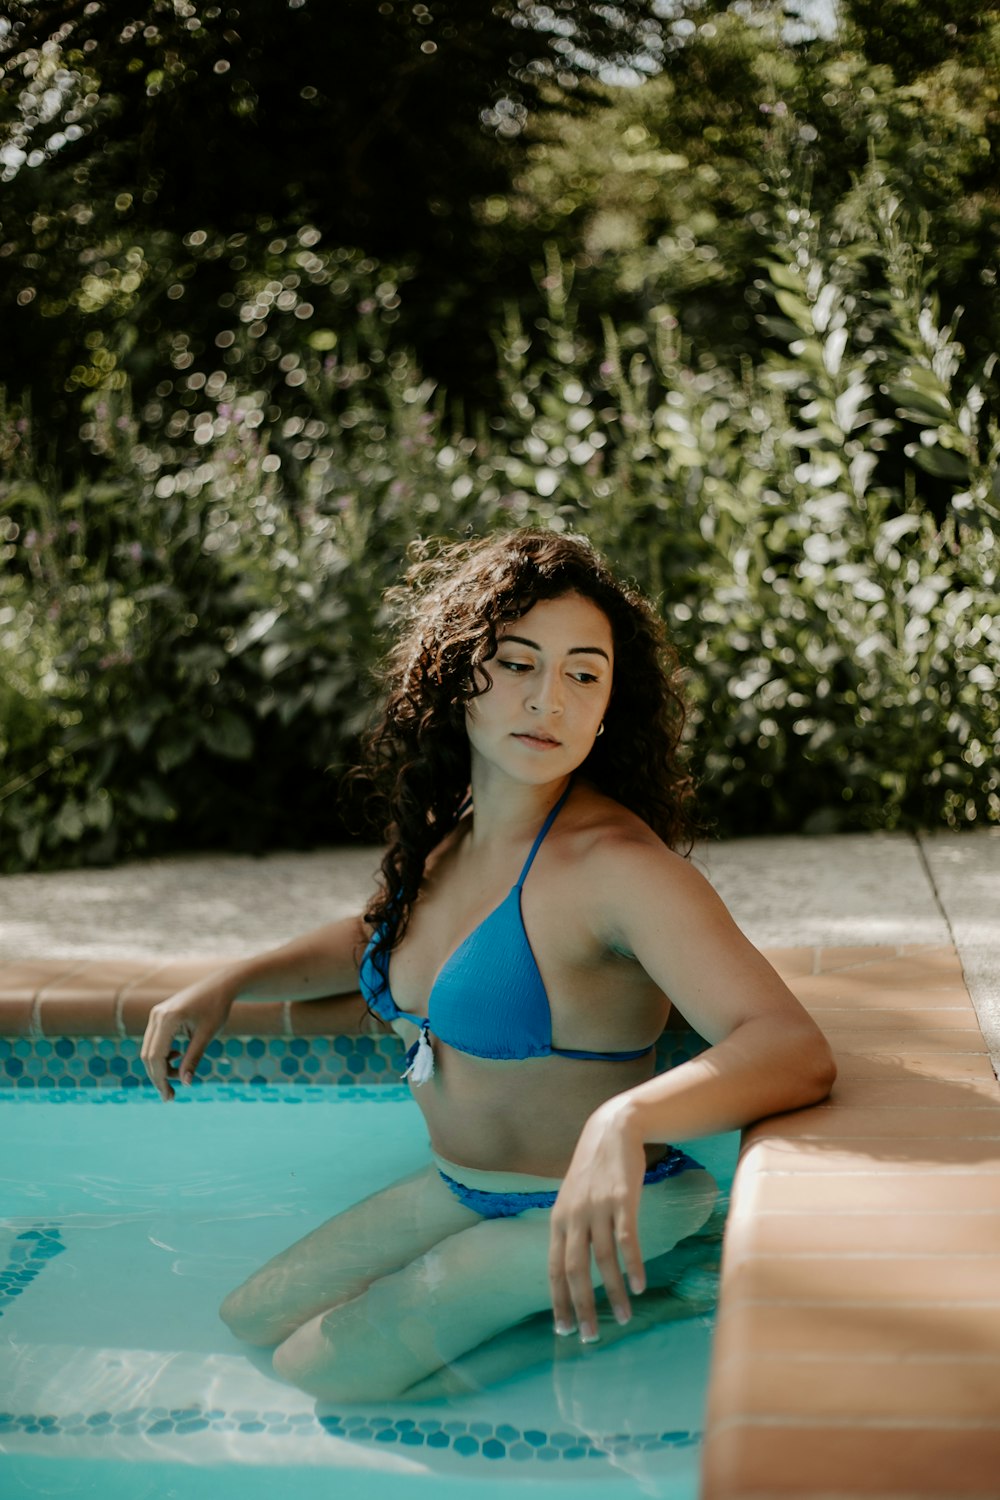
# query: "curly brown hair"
{"type": "Point", "coordinates": [453, 601]}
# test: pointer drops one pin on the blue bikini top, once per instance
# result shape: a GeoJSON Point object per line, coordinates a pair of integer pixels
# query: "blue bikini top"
{"type": "Point", "coordinates": [488, 999]}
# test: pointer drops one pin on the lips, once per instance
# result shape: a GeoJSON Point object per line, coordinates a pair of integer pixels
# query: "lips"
{"type": "Point", "coordinates": [537, 737]}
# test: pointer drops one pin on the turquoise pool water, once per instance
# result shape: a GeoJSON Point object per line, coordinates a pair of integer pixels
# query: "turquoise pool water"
{"type": "Point", "coordinates": [123, 1223]}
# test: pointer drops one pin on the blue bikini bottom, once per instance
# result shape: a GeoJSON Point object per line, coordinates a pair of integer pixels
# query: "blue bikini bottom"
{"type": "Point", "coordinates": [493, 1204]}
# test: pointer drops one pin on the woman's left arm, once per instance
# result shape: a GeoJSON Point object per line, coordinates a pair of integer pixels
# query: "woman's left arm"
{"type": "Point", "coordinates": [766, 1055]}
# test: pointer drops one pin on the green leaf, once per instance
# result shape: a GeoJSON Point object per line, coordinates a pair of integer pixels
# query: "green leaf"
{"type": "Point", "coordinates": [149, 800]}
{"type": "Point", "coordinates": [229, 735]}
{"type": "Point", "coordinates": [923, 418]}
{"type": "Point", "coordinates": [68, 822]}
{"type": "Point", "coordinates": [942, 463]}
{"type": "Point", "coordinates": [274, 657]}
{"type": "Point", "coordinates": [783, 276]}
{"type": "Point", "coordinates": [175, 751]}
{"type": "Point", "coordinates": [795, 308]}
{"type": "Point", "coordinates": [254, 630]}
{"type": "Point", "coordinates": [929, 403]}
{"type": "Point", "coordinates": [137, 731]}
{"type": "Point", "coordinates": [29, 841]}
{"type": "Point", "coordinates": [99, 812]}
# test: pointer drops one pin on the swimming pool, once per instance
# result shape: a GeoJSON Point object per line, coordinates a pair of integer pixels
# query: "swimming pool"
{"type": "Point", "coordinates": [122, 1225]}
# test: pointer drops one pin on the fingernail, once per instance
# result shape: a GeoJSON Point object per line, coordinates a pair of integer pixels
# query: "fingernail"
{"type": "Point", "coordinates": [622, 1315]}
{"type": "Point", "coordinates": [564, 1329]}
{"type": "Point", "coordinates": [588, 1334]}
{"type": "Point", "coordinates": [637, 1284]}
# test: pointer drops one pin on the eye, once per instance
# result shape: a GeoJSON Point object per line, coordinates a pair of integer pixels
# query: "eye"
{"type": "Point", "coordinates": [515, 666]}
{"type": "Point", "coordinates": [586, 677]}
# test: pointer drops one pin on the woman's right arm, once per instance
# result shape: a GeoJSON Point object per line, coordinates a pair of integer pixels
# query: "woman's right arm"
{"type": "Point", "coordinates": [321, 963]}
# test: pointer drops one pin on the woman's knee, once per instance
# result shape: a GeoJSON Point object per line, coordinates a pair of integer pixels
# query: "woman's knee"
{"type": "Point", "coordinates": [704, 1197]}
{"type": "Point", "coordinates": [246, 1320]}
{"type": "Point", "coordinates": [339, 1369]}
{"type": "Point", "coordinates": [671, 1211]}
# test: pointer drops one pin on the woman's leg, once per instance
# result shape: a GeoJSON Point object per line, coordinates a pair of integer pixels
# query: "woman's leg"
{"type": "Point", "coordinates": [335, 1262]}
{"type": "Point", "coordinates": [457, 1295]}
{"type": "Point", "coordinates": [682, 1283]}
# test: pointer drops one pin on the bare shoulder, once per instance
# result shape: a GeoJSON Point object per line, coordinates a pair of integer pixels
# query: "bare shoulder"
{"type": "Point", "coordinates": [646, 902]}
{"type": "Point", "coordinates": [616, 858]}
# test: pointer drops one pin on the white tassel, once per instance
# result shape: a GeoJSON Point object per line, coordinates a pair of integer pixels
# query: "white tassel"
{"type": "Point", "coordinates": [421, 1058]}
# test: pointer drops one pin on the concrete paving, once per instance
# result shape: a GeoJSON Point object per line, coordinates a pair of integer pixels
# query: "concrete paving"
{"type": "Point", "coordinates": [840, 890]}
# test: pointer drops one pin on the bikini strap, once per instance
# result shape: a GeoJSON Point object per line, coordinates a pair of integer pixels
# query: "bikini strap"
{"type": "Point", "coordinates": [541, 834]}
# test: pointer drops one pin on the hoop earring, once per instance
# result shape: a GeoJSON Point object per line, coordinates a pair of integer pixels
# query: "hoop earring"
{"type": "Point", "coordinates": [597, 736]}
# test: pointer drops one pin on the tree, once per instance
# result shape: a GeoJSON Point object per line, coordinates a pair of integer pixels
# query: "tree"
{"type": "Point", "coordinates": [128, 125]}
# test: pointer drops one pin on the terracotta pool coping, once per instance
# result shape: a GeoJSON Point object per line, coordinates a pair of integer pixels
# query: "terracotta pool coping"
{"type": "Point", "coordinates": [857, 1351]}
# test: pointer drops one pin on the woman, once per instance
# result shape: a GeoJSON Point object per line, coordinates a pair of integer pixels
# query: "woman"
{"type": "Point", "coordinates": [532, 920]}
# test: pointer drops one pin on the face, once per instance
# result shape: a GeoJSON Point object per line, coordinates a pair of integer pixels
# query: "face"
{"type": "Point", "coordinates": [551, 682]}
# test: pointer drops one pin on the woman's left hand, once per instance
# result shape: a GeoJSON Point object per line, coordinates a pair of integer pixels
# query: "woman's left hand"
{"type": "Point", "coordinates": [597, 1214]}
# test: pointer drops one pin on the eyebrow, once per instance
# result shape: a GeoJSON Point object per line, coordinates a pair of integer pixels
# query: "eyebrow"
{"type": "Point", "coordinates": [573, 650]}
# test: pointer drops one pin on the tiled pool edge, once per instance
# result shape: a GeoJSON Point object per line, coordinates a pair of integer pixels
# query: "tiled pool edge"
{"type": "Point", "coordinates": [71, 1025]}
{"type": "Point", "coordinates": [857, 1349]}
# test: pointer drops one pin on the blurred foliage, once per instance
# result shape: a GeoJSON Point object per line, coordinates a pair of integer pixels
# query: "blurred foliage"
{"type": "Point", "coordinates": [662, 191]}
{"type": "Point", "coordinates": [151, 150]}
{"type": "Point", "coordinates": [188, 638]}
{"type": "Point", "coordinates": [267, 319]}
{"type": "Point", "coordinates": [915, 37]}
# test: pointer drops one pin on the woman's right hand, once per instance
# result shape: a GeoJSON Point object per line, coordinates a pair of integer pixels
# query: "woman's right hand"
{"type": "Point", "coordinates": [198, 1013]}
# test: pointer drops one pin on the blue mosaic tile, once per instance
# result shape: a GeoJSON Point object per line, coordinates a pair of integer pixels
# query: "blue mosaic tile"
{"type": "Point", "coordinates": [27, 1258]}
{"type": "Point", "coordinates": [101, 1063]}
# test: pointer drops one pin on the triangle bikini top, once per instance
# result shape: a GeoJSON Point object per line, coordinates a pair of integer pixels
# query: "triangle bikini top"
{"type": "Point", "coordinates": [488, 998]}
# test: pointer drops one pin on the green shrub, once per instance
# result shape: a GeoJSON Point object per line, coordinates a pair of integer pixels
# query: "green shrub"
{"type": "Point", "coordinates": [187, 635]}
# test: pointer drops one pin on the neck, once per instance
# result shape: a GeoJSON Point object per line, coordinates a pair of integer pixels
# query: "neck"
{"type": "Point", "coordinates": [509, 812]}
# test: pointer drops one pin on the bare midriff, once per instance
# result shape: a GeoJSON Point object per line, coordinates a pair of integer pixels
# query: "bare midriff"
{"type": "Point", "coordinates": [517, 1116]}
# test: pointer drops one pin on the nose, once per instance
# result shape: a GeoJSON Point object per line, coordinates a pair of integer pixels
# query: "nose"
{"type": "Point", "coordinates": [545, 694]}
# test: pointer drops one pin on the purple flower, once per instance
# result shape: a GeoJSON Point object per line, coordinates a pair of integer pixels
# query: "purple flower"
{"type": "Point", "coordinates": [135, 551]}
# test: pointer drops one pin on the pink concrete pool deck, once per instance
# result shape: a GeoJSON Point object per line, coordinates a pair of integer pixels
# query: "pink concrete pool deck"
{"type": "Point", "coordinates": [857, 1350]}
